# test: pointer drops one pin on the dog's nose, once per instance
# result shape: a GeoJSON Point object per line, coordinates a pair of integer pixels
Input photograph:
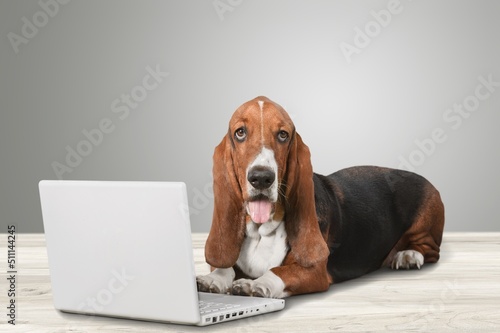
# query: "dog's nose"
{"type": "Point", "coordinates": [261, 177]}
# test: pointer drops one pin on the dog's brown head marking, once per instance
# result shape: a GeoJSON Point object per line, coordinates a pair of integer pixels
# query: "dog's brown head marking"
{"type": "Point", "coordinates": [262, 172]}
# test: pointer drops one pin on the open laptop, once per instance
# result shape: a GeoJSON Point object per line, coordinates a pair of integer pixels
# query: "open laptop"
{"type": "Point", "coordinates": [123, 249]}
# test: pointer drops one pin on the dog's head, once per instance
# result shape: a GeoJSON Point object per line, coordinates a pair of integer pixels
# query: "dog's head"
{"type": "Point", "coordinates": [260, 134]}
{"type": "Point", "coordinates": [262, 172]}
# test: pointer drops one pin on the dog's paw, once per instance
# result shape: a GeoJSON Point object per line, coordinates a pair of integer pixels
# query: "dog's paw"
{"type": "Point", "coordinates": [261, 289]}
{"type": "Point", "coordinates": [407, 259]}
{"type": "Point", "coordinates": [209, 284]}
{"type": "Point", "coordinates": [218, 282]}
{"type": "Point", "coordinates": [246, 287]}
{"type": "Point", "coordinates": [268, 285]}
{"type": "Point", "coordinates": [242, 287]}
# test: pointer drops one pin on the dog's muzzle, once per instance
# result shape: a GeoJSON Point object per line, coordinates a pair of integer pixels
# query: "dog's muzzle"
{"type": "Point", "coordinates": [260, 207]}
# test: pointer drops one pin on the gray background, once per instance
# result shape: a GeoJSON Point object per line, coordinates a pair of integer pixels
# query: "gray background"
{"type": "Point", "coordinates": [371, 110]}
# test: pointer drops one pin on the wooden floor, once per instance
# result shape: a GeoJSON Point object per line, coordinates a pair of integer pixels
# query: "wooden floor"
{"type": "Point", "coordinates": [460, 293]}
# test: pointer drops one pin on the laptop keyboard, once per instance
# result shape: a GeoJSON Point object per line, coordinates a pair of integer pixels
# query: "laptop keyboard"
{"type": "Point", "coordinates": [208, 307]}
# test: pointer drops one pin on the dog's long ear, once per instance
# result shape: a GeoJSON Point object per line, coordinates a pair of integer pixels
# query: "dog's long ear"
{"type": "Point", "coordinates": [228, 225]}
{"type": "Point", "coordinates": [304, 236]}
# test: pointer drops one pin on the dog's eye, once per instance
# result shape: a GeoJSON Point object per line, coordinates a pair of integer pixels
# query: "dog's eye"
{"type": "Point", "coordinates": [283, 136]}
{"type": "Point", "coordinates": [240, 134]}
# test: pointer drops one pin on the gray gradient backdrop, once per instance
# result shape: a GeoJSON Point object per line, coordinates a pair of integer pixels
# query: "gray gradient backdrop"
{"type": "Point", "coordinates": [76, 63]}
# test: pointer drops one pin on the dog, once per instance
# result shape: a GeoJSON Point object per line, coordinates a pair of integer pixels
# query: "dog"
{"type": "Point", "coordinates": [279, 229]}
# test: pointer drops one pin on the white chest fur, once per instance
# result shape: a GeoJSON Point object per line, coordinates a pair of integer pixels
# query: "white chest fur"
{"type": "Point", "coordinates": [264, 247]}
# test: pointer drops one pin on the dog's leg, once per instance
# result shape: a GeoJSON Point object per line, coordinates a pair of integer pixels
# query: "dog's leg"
{"type": "Point", "coordinates": [219, 281]}
{"type": "Point", "coordinates": [420, 243]}
{"type": "Point", "coordinates": [287, 280]}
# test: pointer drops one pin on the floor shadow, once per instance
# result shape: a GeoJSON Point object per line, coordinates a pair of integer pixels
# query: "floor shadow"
{"type": "Point", "coordinates": [384, 273]}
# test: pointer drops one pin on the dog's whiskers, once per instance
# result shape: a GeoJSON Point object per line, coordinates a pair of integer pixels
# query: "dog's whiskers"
{"type": "Point", "coordinates": [281, 189]}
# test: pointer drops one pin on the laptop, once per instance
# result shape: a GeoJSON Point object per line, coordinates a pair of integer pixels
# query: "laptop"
{"type": "Point", "coordinates": [123, 249]}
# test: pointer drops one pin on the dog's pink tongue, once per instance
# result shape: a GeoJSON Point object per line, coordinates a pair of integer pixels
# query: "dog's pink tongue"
{"type": "Point", "coordinates": [260, 210]}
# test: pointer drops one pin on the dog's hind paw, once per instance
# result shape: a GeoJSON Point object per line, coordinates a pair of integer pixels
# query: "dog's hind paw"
{"type": "Point", "coordinates": [407, 259]}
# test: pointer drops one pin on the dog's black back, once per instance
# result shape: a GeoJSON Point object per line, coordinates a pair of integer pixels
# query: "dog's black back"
{"type": "Point", "coordinates": [363, 212]}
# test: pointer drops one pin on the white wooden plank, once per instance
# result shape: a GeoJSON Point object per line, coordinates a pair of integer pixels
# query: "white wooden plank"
{"type": "Point", "coordinates": [460, 293]}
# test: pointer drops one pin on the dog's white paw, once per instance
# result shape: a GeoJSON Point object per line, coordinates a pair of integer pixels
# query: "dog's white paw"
{"type": "Point", "coordinates": [242, 287]}
{"type": "Point", "coordinates": [268, 285]}
{"type": "Point", "coordinates": [218, 282]}
{"type": "Point", "coordinates": [246, 287]}
{"type": "Point", "coordinates": [407, 259]}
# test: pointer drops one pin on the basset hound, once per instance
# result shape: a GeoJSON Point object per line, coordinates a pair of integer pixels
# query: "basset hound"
{"type": "Point", "coordinates": [279, 229]}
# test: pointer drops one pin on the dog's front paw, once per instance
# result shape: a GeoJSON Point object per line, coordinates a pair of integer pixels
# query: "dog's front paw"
{"type": "Point", "coordinates": [246, 287]}
{"type": "Point", "coordinates": [407, 259]}
{"type": "Point", "coordinates": [242, 287]}
{"type": "Point", "coordinates": [261, 289]}
{"type": "Point", "coordinates": [217, 282]}
{"type": "Point", "coordinates": [268, 285]}
{"type": "Point", "coordinates": [207, 284]}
